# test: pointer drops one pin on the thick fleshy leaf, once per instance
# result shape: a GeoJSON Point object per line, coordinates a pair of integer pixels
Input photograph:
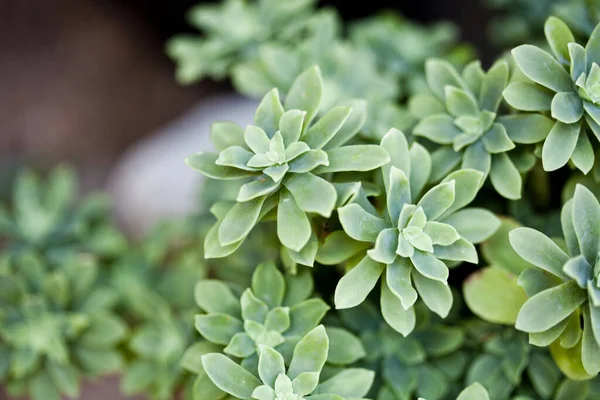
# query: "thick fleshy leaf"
{"type": "Point", "coordinates": [549, 307]}
{"type": "Point", "coordinates": [349, 383]}
{"type": "Point", "coordinates": [256, 189]}
{"type": "Point", "coordinates": [253, 308]}
{"type": "Point", "coordinates": [205, 163]}
{"type": "Point", "coordinates": [235, 156]}
{"type": "Point", "coordinates": [460, 102]}
{"type": "Point", "coordinates": [540, 250]}
{"type": "Point", "coordinates": [473, 75]}
{"type": "Point", "coordinates": [429, 266]}
{"type": "Point", "coordinates": [359, 224]}
{"type": "Point", "coordinates": [353, 123]}
{"type": "Point", "coordinates": [326, 128]}
{"type": "Point", "coordinates": [475, 391]}
{"type": "Point", "coordinates": [354, 287]}
{"type": "Point", "coordinates": [270, 365]}
{"type": "Point", "coordinates": [586, 222]}
{"type": "Point", "coordinates": [436, 295]}
{"type": "Point", "coordinates": [549, 336]}
{"type": "Point", "coordinates": [461, 250]}
{"type": "Point", "coordinates": [306, 93]}
{"type": "Point", "coordinates": [535, 280]}
{"type": "Point", "coordinates": [441, 233]}
{"type": "Point", "coordinates": [295, 149]}
{"type": "Point", "coordinates": [338, 247]}
{"type": "Point", "coordinates": [443, 161]}
{"type": "Point", "coordinates": [528, 96]}
{"type": "Point", "coordinates": [474, 224]}
{"type": "Point", "coordinates": [440, 74]}
{"type": "Point", "coordinates": [241, 346]}
{"type": "Point", "coordinates": [505, 177]}
{"type": "Point", "coordinates": [276, 173]}
{"type": "Point", "coordinates": [268, 284]}
{"type": "Point", "coordinates": [229, 376]}
{"type": "Point", "coordinates": [569, 361]}
{"type": "Point", "coordinates": [592, 111]}
{"type": "Point", "coordinates": [398, 278]}
{"type": "Point", "coordinates": [593, 47]}
{"type": "Point", "coordinates": [583, 156]}
{"type": "Point", "coordinates": [494, 295]}
{"type": "Point", "coordinates": [438, 128]}
{"type": "Point", "coordinates": [477, 157]}
{"type": "Point", "coordinates": [398, 192]}
{"type": "Point", "coordinates": [422, 105]}
{"type": "Point", "coordinates": [559, 36]}
{"type": "Point", "coordinates": [305, 316]}
{"type": "Point", "coordinates": [226, 134]}
{"type": "Point", "coordinates": [310, 353]}
{"type": "Point", "coordinates": [257, 139]}
{"type": "Point", "coordinates": [218, 328]}
{"type": "Point", "coordinates": [239, 221]}
{"type": "Point", "coordinates": [590, 346]}
{"type": "Point", "coordinates": [308, 161]}
{"type": "Point", "coordinates": [419, 176]}
{"type": "Point", "coordinates": [344, 347]}
{"type": "Point", "coordinates": [293, 225]}
{"type": "Point", "coordinates": [264, 392]}
{"type": "Point", "coordinates": [542, 68]}
{"type": "Point", "coordinates": [567, 107]}
{"type": "Point", "coordinates": [566, 221]}
{"type": "Point", "coordinates": [385, 246]}
{"type": "Point", "coordinates": [496, 139]}
{"type": "Point", "coordinates": [492, 86]}
{"type": "Point", "coordinates": [215, 296]}
{"type": "Point", "coordinates": [213, 248]}
{"type": "Point", "coordinates": [437, 200]}
{"type": "Point", "coordinates": [312, 193]}
{"type": "Point", "coordinates": [467, 184]}
{"type": "Point", "coordinates": [290, 126]}
{"type": "Point", "coordinates": [400, 319]}
{"type": "Point", "coordinates": [578, 62]}
{"type": "Point", "coordinates": [526, 128]}
{"type": "Point", "coordinates": [559, 145]}
{"type": "Point", "coordinates": [360, 157]}
{"type": "Point", "coordinates": [269, 112]}
{"type": "Point", "coordinates": [305, 383]}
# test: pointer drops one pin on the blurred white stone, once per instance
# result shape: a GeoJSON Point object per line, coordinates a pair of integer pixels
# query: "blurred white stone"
{"type": "Point", "coordinates": [152, 182]}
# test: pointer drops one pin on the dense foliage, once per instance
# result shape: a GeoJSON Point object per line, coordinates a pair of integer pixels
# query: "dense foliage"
{"type": "Point", "coordinates": [397, 222]}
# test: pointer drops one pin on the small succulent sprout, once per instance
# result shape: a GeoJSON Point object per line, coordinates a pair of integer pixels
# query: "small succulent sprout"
{"type": "Point", "coordinates": [298, 379]}
{"type": "Point", "coordinates": [563, 287]}
{"type": "Point", "coordinates": [414, 236]}
{"type": "Point", "coordinates": [57, 325]}
{"type": "Point", "coordinates": [231, 32]}
{"type": "Point", "coordinates": [281, 157]}
{"type": "Point", "coordinates": [566, 83]}
{"type": "Point", "coordinates": [462, 115]}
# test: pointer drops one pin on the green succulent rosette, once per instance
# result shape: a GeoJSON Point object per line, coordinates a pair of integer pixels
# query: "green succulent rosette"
{"type": "Point", "coordinates": [282, 156]}
{"type": "Point", "coordinates": [563, 309]}
{"type": "Point", "coordinates": [413, 238]}
{"type": "Point", "coordinates": [232, 32]}
{"type": "Point", "coordinates": [298, 379]}
{"type": "Point", "coordinates": [564, 83]}
{"type": "Point", "coordinates": [276, 311]}
{"type": "Point", "coordinates": [57, 325]}
{"type": "Point", "coordinates": [44, 216]}
{"type": "Point", "coordinates": [429, 363]}
{"type": "Point", "coordinates": [461, 114]}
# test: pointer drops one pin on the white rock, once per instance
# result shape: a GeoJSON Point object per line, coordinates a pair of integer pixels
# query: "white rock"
{"type": "Point", "coordinates": [152, 182]}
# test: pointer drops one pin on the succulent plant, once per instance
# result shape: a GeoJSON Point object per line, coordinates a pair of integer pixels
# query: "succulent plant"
{"type": "Point", "coordinates": [232, 31]}
{"type": "Point", "coordinates": [156, 282]}
{"type": "Point", "coordinates": [45, 217]}
{"type": "Point", "coordinates": [299, 381]}
{"type": "Point", "coordinates": [401, 47]}
{"type": "Point", "coordinates": [429, 363]}
{"type": "Point", "coordinates": [412, 237]}
{"type": "Point", "coordinates": [282, 156]}
{"type": "Point", "coordinates": [564, 83]}
{"type": "Point", "coordinates": [56, 325]}
{"type": "Point", "coordinates": [462, 115]}
{"type": "Point", "coordinates": [563, 288]}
